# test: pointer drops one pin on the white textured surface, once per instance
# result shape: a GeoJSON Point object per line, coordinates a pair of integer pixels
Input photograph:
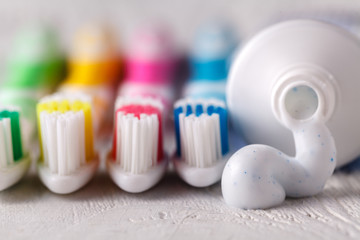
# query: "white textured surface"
{"type": "Point", "coordinates": [174, 210]}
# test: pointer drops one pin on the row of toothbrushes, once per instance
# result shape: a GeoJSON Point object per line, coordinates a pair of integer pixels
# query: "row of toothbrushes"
{"type": "Point", "coordinates": [68, 121]}
{"type": "Point", "coordinates": [137, 162]}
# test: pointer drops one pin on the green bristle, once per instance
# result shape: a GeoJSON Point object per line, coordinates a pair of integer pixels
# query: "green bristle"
{"type": "Point", "coordinates": [15, 132]}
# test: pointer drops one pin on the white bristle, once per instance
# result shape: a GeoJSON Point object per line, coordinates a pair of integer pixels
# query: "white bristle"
{"type": "Point", "coordinates": [63, 141]}
{"type": "Point", "coordinates": [6, 151]}
{"type": "Point", "coordinates": [137, 141]}
{"type": "Point", "coordinates": [200, 139]}
{"type": "Point", "coordinates": [154, 126]}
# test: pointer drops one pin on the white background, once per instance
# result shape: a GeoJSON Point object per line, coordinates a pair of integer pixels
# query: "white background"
{"type": "Point", "coordinates": [182, 16]}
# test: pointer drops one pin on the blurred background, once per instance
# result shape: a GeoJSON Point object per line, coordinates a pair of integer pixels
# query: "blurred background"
{"type": "Point", "coordinates": [183, 16]}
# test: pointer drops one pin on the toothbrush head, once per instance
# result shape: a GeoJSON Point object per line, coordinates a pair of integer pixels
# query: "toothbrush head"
{"type": "Point", "coordinates": [94, 57]}
{"type": "Point", "coordinates": [66, 140]}
{"type": "Point", "coordinates": [151, 56]}
{"type": "Point", "coordinates": [138, 160]}
{"type": "Point", "coordinates": [36, 60]}
{"type": "Point", "coordinates": [139, 119]}
{"type": "Point", "coordinates": [72, 116]}
{"type": "Point", "coordinates": [13, 161]}
{"type": "Point", "coordinates": [206, 120]}
{"type": "Point", "coordinates": [202, 140]}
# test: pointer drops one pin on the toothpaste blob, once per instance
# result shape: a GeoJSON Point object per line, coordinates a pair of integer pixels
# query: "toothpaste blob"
{"type": "Point", "coordinates": [260, 176]}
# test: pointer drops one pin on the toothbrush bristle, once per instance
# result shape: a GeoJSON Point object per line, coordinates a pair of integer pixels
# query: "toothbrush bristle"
{"type": "Point", "coordinates": [10, 137]}
{"type": "Point", "coordinates": [137, 144]}
{"type": "Point", "coordinates": [201, 131]}
{"type": "Point", "coordinates": [66, 134]}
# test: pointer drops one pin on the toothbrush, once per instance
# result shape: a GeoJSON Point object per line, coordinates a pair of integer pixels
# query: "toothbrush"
{"type": "Point", "coordinates": [138, 161]}
{"type": "Point", "coordinates": [94, 69]}
{"type": "Point", "coordinates": [201, 155]}
{"type": "Point", "coordinates": [210, 60]}
{"type": "Point", "coordinates": [68, 160]}
{"type": "Point", "coordinates": [35, 67]}
{"type": "Point", "coordinates": [150, 61]}
{"type": "Point", "coordinates": [14, 160]}
{"type": "Point", "coordinates": [202, 140]}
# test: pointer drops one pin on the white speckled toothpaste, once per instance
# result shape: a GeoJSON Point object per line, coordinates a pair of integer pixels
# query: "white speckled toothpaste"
{"type": "Point", "coordinates": [259, 176]}
{"type": "Point", "coordinates": [293, 87]}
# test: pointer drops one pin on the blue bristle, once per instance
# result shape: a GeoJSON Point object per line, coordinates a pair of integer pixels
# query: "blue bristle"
{"type": "Point", "coordinates": [199, 110]}
{"type": "Point", "coordinates": [189, 110]}
{"type": "Point", "coordinates": [223, 129]}
{"type": "Point", "coordinates": [177, 112]}
{"type": "Point", "coordinates": [210, 110]}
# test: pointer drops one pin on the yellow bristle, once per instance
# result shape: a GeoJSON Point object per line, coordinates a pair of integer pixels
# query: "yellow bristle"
{"type": "Point", "coordinates": [51, 106]}
{"type": "Point", "coordinates": [63, 106]}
